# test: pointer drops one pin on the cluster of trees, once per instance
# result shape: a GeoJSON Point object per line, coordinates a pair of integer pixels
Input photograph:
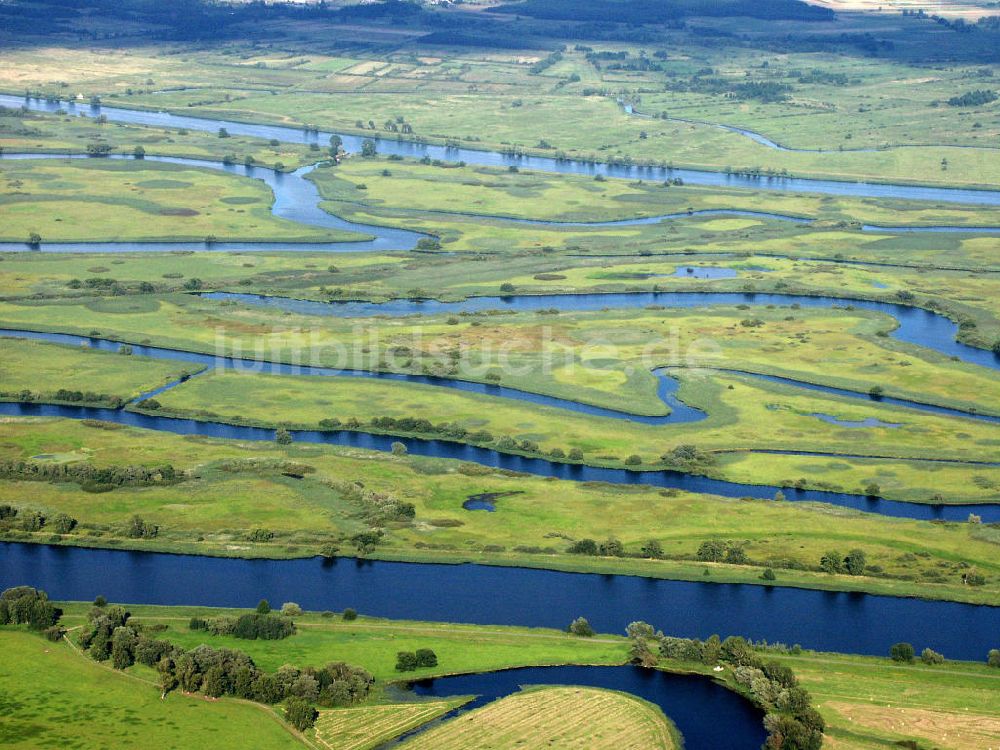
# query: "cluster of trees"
{"type": "Point", "coordinates": [24, 605]}
{"type": "Point", "coordinates": [89, 476]}
{"type": "Point", "coordinates": [408, 661]}
{"type": "Point", "coordinates": [378, 507]}
{"type": "Point", "coordinates": [973, 98]}
{"type": "Point", "coordinates": [264, 626]}
{"type": "Point", "coordinates": [639, 12]}
{"type": "Point", "coordinates": [688, 458]}
{"type": "Point", "coordinates": [612, 547]}
{"type": "Point", "coordinates": [27, 519]}
{"type": "Point", "coordinates": [791, 721]}
{"type": "Point", "coordinates": [110, 635]}
{"type": "Point", "coordinates": [716, 550]}
{"type": "Point", "coordinates": [139, 528]}
{"type": "Point", "coordinates": [546, 63]}
{"type": "Point", "coordinates": [763, 91]}
{"type": "Point", "coordinates": [26, 395]}
{"type": "Point", "coordinates": [416, 425]}
{"type": "Point", "coordinates": [854, 563]}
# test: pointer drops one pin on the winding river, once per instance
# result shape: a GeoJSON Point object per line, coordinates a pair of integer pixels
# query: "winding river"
{"type": "Point", "coordinates": [830, 621]}
{"type": "Point", "coordinates": [462, 451]}
{"type": "Point", "coordinates": [538, 163]}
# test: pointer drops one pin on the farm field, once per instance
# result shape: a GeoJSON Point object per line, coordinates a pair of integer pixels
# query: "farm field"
{"type": "Point", "coordinates": [545, 716]}
{"type": "Point", "coordinates": [363, 728]}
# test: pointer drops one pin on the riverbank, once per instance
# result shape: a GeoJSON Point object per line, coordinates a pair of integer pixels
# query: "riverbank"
{"type": "Point", "coordinates": [924, 700]}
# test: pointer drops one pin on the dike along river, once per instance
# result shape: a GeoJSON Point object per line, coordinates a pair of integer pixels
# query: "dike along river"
{"type": "Point", "coordinates": [481, 594]}
{"type": "Point", "coordinates": [491, 158]}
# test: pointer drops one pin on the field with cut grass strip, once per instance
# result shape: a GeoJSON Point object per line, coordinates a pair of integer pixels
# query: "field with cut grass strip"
{"type": "Point", "coordinates": [563, 718]}
{"type": "Point", "coordinates": [368, 727]}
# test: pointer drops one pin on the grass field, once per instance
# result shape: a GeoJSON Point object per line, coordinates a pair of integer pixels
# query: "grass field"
{"type": "Point", "coordinates": [55, 697]}
{"type": "Point", "coordinates": [869, 703]}
{"type": "Point", "coordinates": [487, 191]}
{"type": "Point", "coordinates": [51, 133]}
{"type": "Point", "coordinates": [233, 488]}
{"type": "Point", "coordinates": [749, 415]}
{"type": "Point", "coordinates": [373, 643]}
{"type": "Point", "coordinates": [549, 717]}
{"type": "Point", "coordinates": [99, 200]}
{"type": "Point", "coordinates": [43, 369]}
{"type": "Point", "coordinates": [491, 98]}
{"type": "Point", "coordinates": [369, 727]}
{"type": "Point", "coordinates": [601, 357]}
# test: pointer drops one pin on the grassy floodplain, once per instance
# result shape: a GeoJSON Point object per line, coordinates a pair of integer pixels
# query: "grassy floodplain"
{"type": "Point", "coordinates": [112, 201]}
{"type": "Point", "coordinates": [600, 357]}
{"type": "Point", "coordinates": [232, 489]}
{"type": "Point", "coordinates": [951, 705]}
{"type": "Point", "coordinates": [36, 367]}
{"type": "Point", "coordinates": [495, 192]}
{"type": "Point", "coordinates": [38, 132]}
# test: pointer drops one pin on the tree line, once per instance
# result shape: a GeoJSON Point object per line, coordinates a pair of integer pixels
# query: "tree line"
{"type": "Point", "coordinates": [790, 719]}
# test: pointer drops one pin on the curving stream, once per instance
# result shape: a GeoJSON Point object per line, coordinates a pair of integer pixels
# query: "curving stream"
{"type": "Point", "coordinates": [833, 621]}
{"type": "Point", "coordinates": [539, 163]}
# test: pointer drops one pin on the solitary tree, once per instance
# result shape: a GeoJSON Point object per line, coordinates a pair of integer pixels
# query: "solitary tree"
{"type": "Point", "coordinates": [581, 627]}
{"type": "Point", "coordinates": [282, 436]}
{"type": "Point", "coordinates": [299, 713]}
{"type": "Point", "coordinates": [652, 549]}
{"type": "Point", "coordinates": [263, 607]}
{"type": "Point", "coordinates": [902, 652]}
{"type": "Point", "coordinates": [368, 148]}
{"type": "Point", "coordinates": [855, 562]}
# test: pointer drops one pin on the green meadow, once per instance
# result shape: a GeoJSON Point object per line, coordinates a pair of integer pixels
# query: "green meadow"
{"type": "Point", "coordinates": [899, 702]}
{"type": "Point", "coordinates": [495, 192]}
{"type": "Point", "coordinates": [231, 489]}
{"type": "Point", "coordinates": [42, 370]}
{"type": "Point", "coordinates": [109, 201]}
{"type": "Point", "coordinates": [55, 696]}
{"type": "Point", "coordinates": [39, 132]}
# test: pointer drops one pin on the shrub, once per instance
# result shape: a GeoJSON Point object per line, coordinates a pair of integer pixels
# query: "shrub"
{"type": "Point", "coordinates": [291, 609]}
{"type": "Point", "coordinates": [583, 547]}
{"type": "Point", "coordinates": [930, 656]}
{"type": "Point", "coordinates": [581, 627]}
{"type": "Point", "coordinates": [993, 658]}
{"type": "Point", "coordinates": [652, 549]}
{"type": "Point", "coordinates": [350, 614]}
